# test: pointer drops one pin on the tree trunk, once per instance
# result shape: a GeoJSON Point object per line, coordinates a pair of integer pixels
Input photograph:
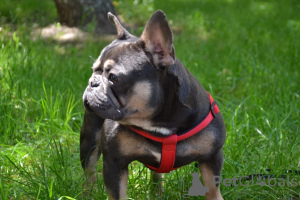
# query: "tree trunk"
{"type": "Point", "coordinates": [81, 12]}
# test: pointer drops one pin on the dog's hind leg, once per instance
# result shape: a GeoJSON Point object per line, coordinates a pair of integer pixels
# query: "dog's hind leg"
{"type": "Point", "coordinates": [157, 182]}
{"type": "Point", "coordinates": [90, 150]}
{"type": "Point", "coordinates": [208, 170]}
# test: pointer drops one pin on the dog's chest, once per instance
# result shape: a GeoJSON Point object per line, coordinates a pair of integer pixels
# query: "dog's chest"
{"type": "Point", "coordinates": [146, 151]}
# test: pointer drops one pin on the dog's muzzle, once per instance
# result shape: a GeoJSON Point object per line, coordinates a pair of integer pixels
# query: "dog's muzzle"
{"type": "Point", "coordinates": [99, 98]}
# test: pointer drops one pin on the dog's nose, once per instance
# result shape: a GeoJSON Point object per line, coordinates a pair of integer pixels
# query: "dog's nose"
{"type": "Point", "coordinates": [94, 83]}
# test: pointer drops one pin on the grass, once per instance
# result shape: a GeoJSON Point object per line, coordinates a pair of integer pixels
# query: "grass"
{"type": "Point", "coordinates": [245, 53]}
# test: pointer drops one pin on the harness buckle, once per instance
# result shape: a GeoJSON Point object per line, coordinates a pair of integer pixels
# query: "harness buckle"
{"type": "Point", "coordinates": [212, 109]}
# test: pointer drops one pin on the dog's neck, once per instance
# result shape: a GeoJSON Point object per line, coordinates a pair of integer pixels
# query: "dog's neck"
{"type": "Point", "coordinates": [183, 106]}
{"type": "Point", "coordinates": [147, 126]}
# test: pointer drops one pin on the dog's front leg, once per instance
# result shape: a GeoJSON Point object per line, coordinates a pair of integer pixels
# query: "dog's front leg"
{"type": "Point", "coordinates": [90, 151]}
{"type": "Point", "coordinates": [208, 170]}
{"type": "Point", "coordinates": [157, 182]}
{"type": "Point", "coordinates": [115, 178]}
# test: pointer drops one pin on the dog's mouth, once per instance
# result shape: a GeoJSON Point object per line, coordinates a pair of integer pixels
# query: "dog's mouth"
{"type": "Point", "coordinates": [115, 99]}
{"type": "Point", "coordinates": [87, 106]}
{"type": "Point", "coordinates": [106, 105]}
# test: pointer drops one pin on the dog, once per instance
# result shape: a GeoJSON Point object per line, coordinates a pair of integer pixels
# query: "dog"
{"type": "Point", "coordinates": [141, 103]}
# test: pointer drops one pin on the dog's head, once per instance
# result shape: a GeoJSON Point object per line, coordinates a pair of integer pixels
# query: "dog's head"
{"type": "Point", "coordinates": [125, 83]}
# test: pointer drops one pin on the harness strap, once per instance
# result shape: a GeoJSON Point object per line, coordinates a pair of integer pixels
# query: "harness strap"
{"type": "Point", "coordinates": [214, 110]}
{"type": "Point", "coordinates": [168, 154]}
{"type": "Point", "coordinates": [169, 143]}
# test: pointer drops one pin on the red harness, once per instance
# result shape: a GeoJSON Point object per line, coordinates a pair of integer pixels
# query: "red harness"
{"type": "Point", "coordinates": [169, 143]}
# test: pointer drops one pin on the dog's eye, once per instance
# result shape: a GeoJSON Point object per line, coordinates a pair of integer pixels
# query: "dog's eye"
{"type": "Point", "coordinates": [113, 78]}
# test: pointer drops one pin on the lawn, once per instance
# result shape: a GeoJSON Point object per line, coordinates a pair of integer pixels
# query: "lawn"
{"type": "Point", "coordinates": [245, 53]}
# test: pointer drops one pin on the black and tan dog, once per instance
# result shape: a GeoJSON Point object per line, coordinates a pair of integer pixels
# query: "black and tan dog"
{"type": "Point", "coordinates": [138, 85]}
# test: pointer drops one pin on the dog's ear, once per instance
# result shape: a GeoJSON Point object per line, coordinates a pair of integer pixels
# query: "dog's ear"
{"type": "Point", "coordinates": [123, 34]}
{"type": "Point", "coordinates": [158, 39]}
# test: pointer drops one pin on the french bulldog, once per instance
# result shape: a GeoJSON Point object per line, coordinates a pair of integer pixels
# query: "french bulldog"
{"type": "Point", "coordinates": [138, 84]}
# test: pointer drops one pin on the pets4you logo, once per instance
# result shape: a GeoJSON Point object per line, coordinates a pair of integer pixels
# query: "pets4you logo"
{"type": "Point", "coordinates": [196, 188]}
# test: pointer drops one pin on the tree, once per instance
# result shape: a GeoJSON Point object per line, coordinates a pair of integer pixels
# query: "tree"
{"type": "Point", "coordinates": [81, 12]}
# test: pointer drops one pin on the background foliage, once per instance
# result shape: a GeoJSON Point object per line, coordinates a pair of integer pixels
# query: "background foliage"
{"type": "Point", "coordinates": [245, 53]}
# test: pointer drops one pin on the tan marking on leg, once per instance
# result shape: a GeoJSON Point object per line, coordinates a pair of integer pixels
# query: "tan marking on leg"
{"type": "Point", "coordinates": [93, 159]}
{"type": "Point", "coordinates": [123, 185]}
{"type": "Point", "coordinates": [207, 177]}
{"type": "Point", "coordinates": [122, 188]}
{"type": "Point", "coordinates": [90, 170]}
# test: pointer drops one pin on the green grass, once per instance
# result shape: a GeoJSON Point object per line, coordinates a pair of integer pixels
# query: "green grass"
{"type": "Point", "coordinates": [245, 53]}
